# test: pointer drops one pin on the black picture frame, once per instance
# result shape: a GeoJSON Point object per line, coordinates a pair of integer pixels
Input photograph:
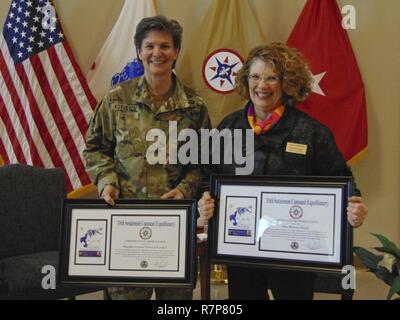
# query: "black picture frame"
{"type": "Point", "coordinates": [248, 253]}
{"type": "Point", "coordinates": [137, 254]}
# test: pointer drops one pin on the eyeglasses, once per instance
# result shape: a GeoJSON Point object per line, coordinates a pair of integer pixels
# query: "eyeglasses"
{"type": "Point", "coordinates": [256, 79]}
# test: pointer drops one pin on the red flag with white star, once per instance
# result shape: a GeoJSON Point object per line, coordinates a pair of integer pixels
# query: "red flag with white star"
{"type": "Point", "coordinates": [338, 97]}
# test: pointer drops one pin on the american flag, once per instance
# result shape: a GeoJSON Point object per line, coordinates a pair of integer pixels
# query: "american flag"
{"type": "Point", "coordinates": [45, 102]}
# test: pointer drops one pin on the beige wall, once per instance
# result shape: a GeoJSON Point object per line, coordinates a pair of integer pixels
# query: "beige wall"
{"type": "Point", "coordinates": [377, 48]}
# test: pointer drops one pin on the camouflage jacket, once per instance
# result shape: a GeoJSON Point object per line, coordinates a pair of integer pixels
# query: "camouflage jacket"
{"type": "Point", "coordinates": [116, 140]}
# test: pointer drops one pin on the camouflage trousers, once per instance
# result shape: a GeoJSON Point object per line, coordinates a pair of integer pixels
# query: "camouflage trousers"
{"type": "Point", "coordinates": [127, 293]}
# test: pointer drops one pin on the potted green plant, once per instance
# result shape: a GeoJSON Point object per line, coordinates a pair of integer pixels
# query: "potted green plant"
{"type": "Point", "coordinates": [385, 263]}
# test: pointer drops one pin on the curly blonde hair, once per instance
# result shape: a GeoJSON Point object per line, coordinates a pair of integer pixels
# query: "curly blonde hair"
{"type": "Point", "coordinates": [292, 70]}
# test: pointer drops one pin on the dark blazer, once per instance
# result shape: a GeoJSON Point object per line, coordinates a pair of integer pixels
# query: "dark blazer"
{"type": "Point", "coordinates": [274, 153]}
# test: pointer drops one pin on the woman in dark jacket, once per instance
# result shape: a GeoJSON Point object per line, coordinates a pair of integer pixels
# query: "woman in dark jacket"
{"type": "Point", "coordinates": [286, 142]}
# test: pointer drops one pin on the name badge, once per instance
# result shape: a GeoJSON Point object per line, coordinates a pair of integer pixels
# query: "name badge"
{"type": "Point", "coordinates": [296, 148]}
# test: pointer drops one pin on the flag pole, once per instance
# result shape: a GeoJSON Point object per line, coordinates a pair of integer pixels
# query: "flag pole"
{"type": "Point", "coordinates": [82, 191]}
{"type": "Point", "coordinates": [359, 156]}
{"type": "Point", "coordinates": [154, 4]}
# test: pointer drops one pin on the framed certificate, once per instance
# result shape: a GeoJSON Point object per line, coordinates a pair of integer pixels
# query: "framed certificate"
{"type": "Point", "coordinates": [282, 222]}
{"type": "Point", "coordinates": [135, 243]}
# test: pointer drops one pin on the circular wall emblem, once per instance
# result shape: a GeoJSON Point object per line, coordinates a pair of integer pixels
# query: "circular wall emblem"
{"type": "Point", "coordinates": [145, 233]}
{"type": "Point", "coordinates": [220, 70]}
{"type": "Point", "coordinates": [296, 212]}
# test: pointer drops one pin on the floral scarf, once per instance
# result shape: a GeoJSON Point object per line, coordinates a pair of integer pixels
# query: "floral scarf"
{"type": "Point", "coordinates": [262, 126]}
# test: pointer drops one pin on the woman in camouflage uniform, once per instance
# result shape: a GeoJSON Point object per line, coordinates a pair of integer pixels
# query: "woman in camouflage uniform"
{"type": "Point", "coordinates": [116, 140]}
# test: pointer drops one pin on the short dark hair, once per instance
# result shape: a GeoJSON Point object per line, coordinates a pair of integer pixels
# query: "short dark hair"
{"type": "Point", "coordinates": [160, 23]}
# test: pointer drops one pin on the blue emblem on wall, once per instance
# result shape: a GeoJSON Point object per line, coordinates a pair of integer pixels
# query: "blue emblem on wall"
{"type": "Point", "coordinates": [133, 69]}
{"type": "Point", "coordinates": [220, 70]}
{"type": "Point", "coordinates": [224, 71]}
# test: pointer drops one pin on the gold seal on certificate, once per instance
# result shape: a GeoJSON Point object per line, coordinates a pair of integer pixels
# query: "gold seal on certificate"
{"type": "Point", "coordinates": [136, 242]}
{"type": "Point", "coordinates": [281, 222]}
{"type": "Point", "coordinates": [145, 233]}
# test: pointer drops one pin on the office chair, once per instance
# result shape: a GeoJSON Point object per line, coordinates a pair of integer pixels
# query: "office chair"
{"type": "Point", "coordinates": [30, 212]}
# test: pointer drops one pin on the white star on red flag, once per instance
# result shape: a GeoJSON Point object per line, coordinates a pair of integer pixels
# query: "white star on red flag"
{"type": "Point", "coordinates": [316, 79]}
